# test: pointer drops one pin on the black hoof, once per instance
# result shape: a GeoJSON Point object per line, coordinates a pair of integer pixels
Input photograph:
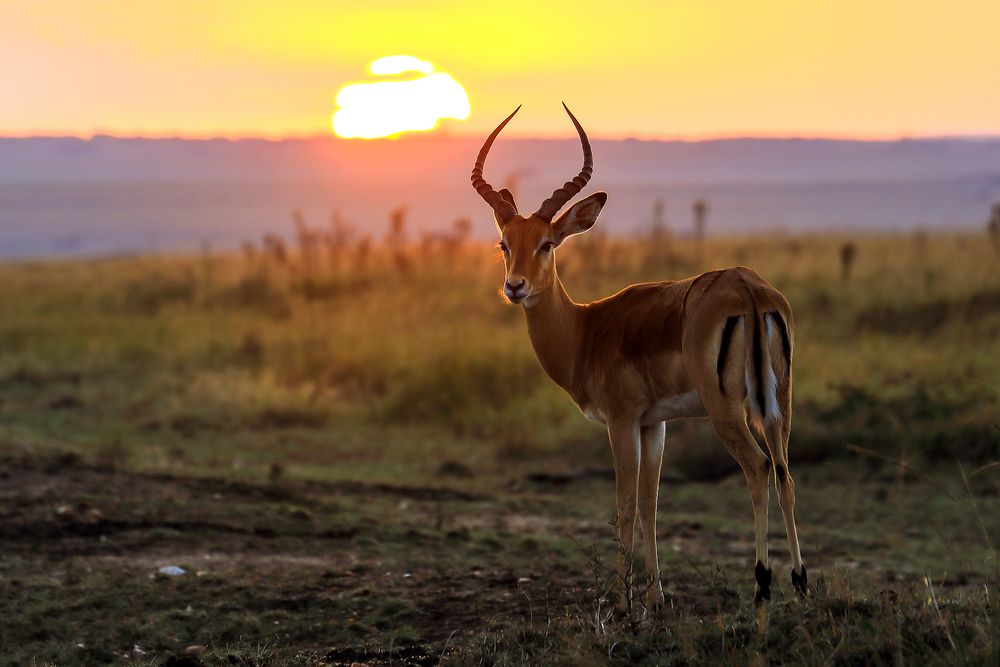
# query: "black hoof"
{"type": "Point", "coordinates": [801, 581]}
{"type": "Point", "coordinates": [763, 576]}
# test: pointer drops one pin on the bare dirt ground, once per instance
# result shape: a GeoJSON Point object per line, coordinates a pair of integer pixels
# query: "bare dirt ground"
{"type": "Point", "coordinates": [294, 572]}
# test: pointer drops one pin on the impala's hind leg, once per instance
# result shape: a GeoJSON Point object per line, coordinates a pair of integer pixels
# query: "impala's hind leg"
{"type": "Point", "coordinates": [785, 485]}
{"type": "Point", "coordinates": [736, 436]}
{"type": "Point", "coordinates": [776, 431]}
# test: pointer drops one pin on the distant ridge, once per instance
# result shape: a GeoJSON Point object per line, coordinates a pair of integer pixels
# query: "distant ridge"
{"type": "Point", "coordinates": [62, 195]}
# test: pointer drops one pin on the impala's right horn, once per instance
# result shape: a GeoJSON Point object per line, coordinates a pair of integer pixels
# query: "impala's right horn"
{"type": "Point", "coordinates": [551, 206]}
{"type": "Point", "coordinates": [504, 209]}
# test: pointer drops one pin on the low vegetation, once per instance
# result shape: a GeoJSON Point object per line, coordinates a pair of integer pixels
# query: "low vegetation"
{"type": "Point", "coordinates": [349, 449]}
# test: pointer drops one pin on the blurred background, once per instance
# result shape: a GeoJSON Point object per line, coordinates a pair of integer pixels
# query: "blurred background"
{"type": "Point", "coordinates": [239, 340]}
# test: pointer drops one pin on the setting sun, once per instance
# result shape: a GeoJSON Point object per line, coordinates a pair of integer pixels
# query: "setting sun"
{"type": "Point", "coordinates": [412, 96]}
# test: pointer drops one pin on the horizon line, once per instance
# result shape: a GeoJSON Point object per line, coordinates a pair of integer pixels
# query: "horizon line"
{"type": "Point", "coordinates": [432, 135]}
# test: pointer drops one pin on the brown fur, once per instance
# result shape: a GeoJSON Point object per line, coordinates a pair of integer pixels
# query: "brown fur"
{"type": "Point", "coordinates": [633, 359]}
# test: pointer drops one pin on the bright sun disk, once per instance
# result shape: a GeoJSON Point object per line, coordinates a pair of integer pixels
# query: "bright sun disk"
{"type": "Point", "coordinates": [400, 103]}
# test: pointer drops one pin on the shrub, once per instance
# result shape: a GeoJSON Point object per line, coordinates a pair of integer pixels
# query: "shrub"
{"type": "Point", "coordinates": [153, 293]}
{"type": "Point", "coordinates": [460, 389]}
{"type": "Point", "coordinates": [255, 293]}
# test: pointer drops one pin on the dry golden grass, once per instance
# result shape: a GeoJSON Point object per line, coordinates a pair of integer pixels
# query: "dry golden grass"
{"type": "Point", "coordinates": [315, 417]}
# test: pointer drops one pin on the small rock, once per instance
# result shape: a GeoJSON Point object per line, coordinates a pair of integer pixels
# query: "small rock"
{"type": "Point", "coordinates": [195, 649]}
{"type": "Point", "coordinates": [66, 402]}
{"type": "Point", "coordinates": [454, 469]}
{"type": "Point", "coordinates": [183, 661]}
{"type": "Point", "coordinates": [171, 571]}
{"type": "Point", "coordinates": [80, 513]}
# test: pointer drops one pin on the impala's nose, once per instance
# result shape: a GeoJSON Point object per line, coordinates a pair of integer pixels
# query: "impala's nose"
{"type": "Point", "coordinates": [514, 290]}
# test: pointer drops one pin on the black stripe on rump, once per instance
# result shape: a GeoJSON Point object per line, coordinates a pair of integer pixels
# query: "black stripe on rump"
{"type": "Point", "coordinates": [758, 363]}
{"type": "Point", "coordinates": [727, 335]}
{"type": "Point", "coordinates": [786, 343]}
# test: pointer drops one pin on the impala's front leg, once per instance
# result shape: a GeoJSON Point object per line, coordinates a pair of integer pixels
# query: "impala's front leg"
{"type": "Point", "coordinates": [650, 461]}
{"type": "Point", "coordinates": [624, 436]}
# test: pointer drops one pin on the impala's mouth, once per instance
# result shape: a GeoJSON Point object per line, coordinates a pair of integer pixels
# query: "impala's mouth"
{"type": "Point", "coordinates": [516, 296]}
{"type": "Point", "coordinates": [516, 299]}
{"type": "Point", "coordinates": [526, 299]}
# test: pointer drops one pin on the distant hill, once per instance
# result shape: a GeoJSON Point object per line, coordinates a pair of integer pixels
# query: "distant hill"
{"type": "Point", "coordinates": [69, 196]}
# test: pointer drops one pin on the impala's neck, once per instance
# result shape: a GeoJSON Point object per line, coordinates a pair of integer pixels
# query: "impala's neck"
{"type": "Point", "coordinates": [552, 327]}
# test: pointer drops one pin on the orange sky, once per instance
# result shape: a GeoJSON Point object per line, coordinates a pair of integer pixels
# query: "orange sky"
{"type": "Point", "coordinates": [669, 68]}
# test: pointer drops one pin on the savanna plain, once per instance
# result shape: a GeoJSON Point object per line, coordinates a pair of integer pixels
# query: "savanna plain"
{"type": "Point", "coordinates": [348, 453]}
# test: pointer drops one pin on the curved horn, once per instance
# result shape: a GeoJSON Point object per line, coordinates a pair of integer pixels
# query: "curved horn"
{"type": "Point", "coordinates": [503, 208]}
{"type": "Point", "coordinates": [551, 206]}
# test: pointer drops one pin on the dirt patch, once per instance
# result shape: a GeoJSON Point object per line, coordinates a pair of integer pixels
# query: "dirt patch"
{"type": "Point", "coordinates": [418, 655]}
{"type": "Point", "coordinates": [380, 574]}
{"type": "Point", "coordinates": [412, 492]}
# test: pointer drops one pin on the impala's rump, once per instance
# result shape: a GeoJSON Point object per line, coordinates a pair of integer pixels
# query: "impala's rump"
{"type": "Point", "coordinates": [749, 356]}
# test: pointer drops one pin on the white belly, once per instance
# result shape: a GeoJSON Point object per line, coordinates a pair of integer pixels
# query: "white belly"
{"type": "Point", "coordinates": [680, 406]}
{"type": "Point", "coordinates": [675, 407]}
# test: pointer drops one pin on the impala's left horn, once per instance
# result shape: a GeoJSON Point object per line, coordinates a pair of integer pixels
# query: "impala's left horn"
{"type": "Point", "coordinates": [501, 202]}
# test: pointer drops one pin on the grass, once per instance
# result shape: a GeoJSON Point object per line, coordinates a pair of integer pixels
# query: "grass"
{"type": "Point", "coordinates": [363, 466]}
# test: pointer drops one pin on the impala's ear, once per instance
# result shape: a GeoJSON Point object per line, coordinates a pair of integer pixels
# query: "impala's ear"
{"type": "Point", "coordinates": [509, 198]}
{"type": "Point", "coordinates": [505, 193]}
{"type": "Point", "coordinates": [580, 217]}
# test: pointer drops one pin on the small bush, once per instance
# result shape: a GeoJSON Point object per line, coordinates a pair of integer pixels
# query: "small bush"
{"type": "Point", "coordinates": [150, 295]}
{"type": "Point", "coordinates": [256, 294]}
{"type": "Point", "coordinates": [926, 421]}
{"type": "Point", "coordinates": [250, 351]}
{"type": "Point", "coordinates": [312, 289]}
{"type": "Point", "coordinates": [458, 389]}
{"type": "Point", "coordinates": [927, 318]}
{"type": "Point", "coordinates": [289, 417]}
{"type": "Point", "coordinates": [696, 452]}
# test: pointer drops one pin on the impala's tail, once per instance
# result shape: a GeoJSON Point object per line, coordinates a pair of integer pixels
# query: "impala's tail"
{"type": "Point", "coordinates": [764, 337]}
{"type": "Point", "coordinates": [768, 364]}
{"type": "Point", "coordinates": [768, 373]}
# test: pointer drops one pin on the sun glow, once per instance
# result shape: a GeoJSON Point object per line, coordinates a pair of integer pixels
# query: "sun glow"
{"type": "Point", "coordinates": [414, 97]}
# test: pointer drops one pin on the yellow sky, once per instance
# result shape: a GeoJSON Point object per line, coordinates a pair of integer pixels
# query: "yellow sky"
{"type": "Point", "coordinates": [689, 68]}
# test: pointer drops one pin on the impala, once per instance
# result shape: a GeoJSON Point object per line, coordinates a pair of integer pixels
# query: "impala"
{"type": "Point", "coordinates": [717, 345]}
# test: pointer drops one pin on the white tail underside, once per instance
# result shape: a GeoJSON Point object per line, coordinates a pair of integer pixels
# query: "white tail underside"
{"type": "Point", "coordinates": [770, 380]}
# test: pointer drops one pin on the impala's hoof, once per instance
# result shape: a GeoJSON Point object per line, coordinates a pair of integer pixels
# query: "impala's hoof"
{"type": "Point", "coordinates": [801, 581]}
{"type": "Point", "coordinates": [654, 601]}
{"type": "Point", "coordinates": [763, 576]}
{"type": "Point", "coordinates": [619, 603]}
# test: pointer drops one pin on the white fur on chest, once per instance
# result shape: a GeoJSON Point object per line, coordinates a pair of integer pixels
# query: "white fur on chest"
{"type": "Point", "coordinates": [675, 407]}
{"type": "Point", "coordinates": [593, 415]}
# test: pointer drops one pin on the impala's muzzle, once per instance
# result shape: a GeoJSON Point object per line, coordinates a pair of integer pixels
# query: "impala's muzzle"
{"type": "Point", "coordinates": [515, 290]}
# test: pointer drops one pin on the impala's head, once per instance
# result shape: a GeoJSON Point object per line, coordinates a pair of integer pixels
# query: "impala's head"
{"type": "Point", "coordinates": [529, 242]}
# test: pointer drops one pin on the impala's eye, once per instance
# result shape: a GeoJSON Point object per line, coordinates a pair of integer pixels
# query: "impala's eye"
{"type": "Point", "coordinates": [546, 247]}
{"type": "Point", "coordinates": [503, 248]}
